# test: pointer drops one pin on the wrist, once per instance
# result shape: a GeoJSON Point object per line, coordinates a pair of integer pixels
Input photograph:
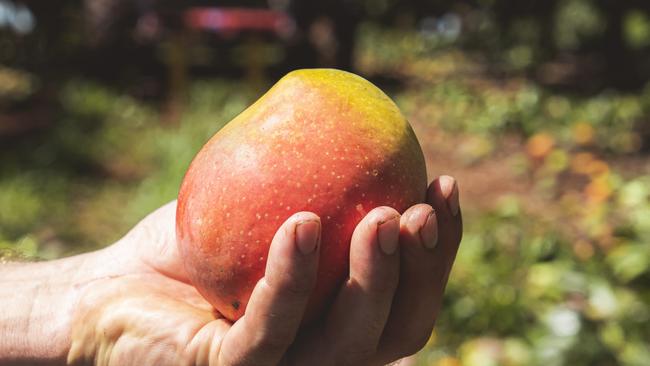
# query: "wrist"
{"type": "Point", "coordinates": [41, 299]}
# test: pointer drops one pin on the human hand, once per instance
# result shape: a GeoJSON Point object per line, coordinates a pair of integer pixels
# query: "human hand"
{"type": "Point", "coordinates": [144, 311]}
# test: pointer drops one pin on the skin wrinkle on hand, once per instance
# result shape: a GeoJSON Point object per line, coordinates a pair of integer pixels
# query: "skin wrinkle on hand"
{"type": "Point", "coordinates": [47, 308]}
{"type": "Point", "coordinates": [120, 317]}
{"type": "Point", "coordinates": [44, 305]}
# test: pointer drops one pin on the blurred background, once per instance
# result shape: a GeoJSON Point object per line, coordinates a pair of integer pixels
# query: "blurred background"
{"type": "Point", "coordinates": [540, 108]}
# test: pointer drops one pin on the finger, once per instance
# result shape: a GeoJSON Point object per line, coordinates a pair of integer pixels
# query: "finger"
{"type": "Point", "coordinates": [359, 313]}
{"type": "Point", "coordinates": [443, 195]}
{"type": "Point", "coordinates": [429, 239]}
{"type": "Point", "coordinates": [277, 304]}
{"type": "Point", "coordinates": [412, 313]}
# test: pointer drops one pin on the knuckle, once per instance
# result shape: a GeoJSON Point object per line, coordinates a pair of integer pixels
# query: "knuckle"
{"type": "Point", "coordinates": [382, 285]}
{"type": "Point", "coordinates": [299, 284]}
{"type": "Point", "coordinates": [274, 341]}
{"type": "Point", "coordinates": [294, 282]}
{"type": "Point", "coordinates": [385, 288]}
{"type": "Point", "coordinates": [271, 340]}
{"type": "Point", "coordinates": [357, 355]}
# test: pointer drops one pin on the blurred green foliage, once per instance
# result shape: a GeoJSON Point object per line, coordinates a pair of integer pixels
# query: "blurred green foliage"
{"type": "Point", "coordinates": [556, 272]}
{"type": "Point", "coordinates": [637, 29]}
{"type": "Point", "coordinates": [106, 163]}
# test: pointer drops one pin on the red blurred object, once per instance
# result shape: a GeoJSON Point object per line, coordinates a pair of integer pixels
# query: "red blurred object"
{"type": "Point", "coordinates": [230, 20]}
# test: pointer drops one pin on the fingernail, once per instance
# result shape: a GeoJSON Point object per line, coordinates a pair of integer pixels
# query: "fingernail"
{"type": "Point", "coordinates": [307, 236]}
{"type": "Point", "coordinates": [429, 232]}
{"type": "Point", "coordinates": [387, 233]}
{"type": "Point", "coordinates": [452, 200]}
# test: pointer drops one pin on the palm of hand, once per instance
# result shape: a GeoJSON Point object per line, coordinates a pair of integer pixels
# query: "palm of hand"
{"type": "Point", "coordinates": [144, 311]}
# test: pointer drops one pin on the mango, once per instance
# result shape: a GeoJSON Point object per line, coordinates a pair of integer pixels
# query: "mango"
{"type": "Point", "coordinates": [320, 140]}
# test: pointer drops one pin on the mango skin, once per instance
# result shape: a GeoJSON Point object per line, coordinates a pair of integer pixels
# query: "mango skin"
{"type": "Point", "coordinates": [320, 140]}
